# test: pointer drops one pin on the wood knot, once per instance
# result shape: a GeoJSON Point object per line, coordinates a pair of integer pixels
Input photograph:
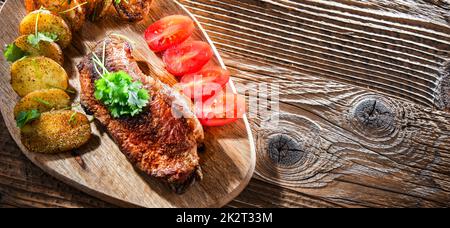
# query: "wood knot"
{"type": "Point", "coordinates": [284, 150]}
{"type": "Point", "coordinates": [291, 151]}
{"type": "Point", "coordinates": [373, 117]}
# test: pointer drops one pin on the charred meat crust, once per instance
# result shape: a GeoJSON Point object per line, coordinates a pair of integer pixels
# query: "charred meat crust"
{"type": "Point", "coordinates": [156, 142]}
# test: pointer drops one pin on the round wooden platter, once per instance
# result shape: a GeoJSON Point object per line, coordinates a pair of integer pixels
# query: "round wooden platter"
{"type": "Point", "coordinates": [100, 169]}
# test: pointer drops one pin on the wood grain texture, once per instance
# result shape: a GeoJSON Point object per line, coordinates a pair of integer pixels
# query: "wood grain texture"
{"type": "Point", "coordinates": [397, 47]}
{"type": "Point", "coordinates": [227, 161]}
{"type": "Point", "coordinates": [361, 83]}
{"type": "Point", "coordinates": [347, 145]}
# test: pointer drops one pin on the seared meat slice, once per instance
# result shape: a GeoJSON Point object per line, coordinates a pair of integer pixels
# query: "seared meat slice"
{"type": "Point", "coordinates": [133, 10]}
{"type": "Point", "coordinates": [156, 141]}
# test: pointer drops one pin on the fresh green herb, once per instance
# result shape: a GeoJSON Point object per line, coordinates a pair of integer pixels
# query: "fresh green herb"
{"type": "Point", "coordinates": [37, 37]}
{"type": "Point", "coordinates": [34, 39]}
{"type": "Point", "coordinates": [118, 1]}
{"type": "Point", "coordinates": [13, 53]}
{"type": "Point", "coordinates": [65, 90]}
{"type": "Point", "coordinates": [42, 101]}
{"type": "Point", "coordinates": [121, 94]}
{"type": "Point", "coordinates": [118, 91]}
{"type": "Point", "coordinates": [25, 117]}
{"type": "Point", "coordinates": [73, 120]}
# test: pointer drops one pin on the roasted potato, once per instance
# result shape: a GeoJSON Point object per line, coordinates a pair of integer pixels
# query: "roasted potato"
{"type": "Point", "coordinates": [56, 131]}
{"type": "Point", "coordinates": [49, 23]}
{"type": "Point", "coordinates": [36, 73]}
{"type": "Point", "coordinates": [133, 10]}
{"type": "Point", "coordinates": [44, 48]}
{"type": "Point", "coordinates": [73, 12]}
{"type": "Point", "coordinates": [43, 101]}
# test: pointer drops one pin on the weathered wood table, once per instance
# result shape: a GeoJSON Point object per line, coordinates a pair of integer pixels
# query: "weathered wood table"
{"type": "Point", "coordinates": [364, 94]}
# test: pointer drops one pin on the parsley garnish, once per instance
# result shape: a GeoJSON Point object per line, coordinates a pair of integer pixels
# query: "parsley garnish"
{"type": "Point", "coordinates": [34, 39]}
{"type": "Point", "coordinates": [118, 92]}
{"type": "Point", "coordinates": [25, 117]}
{"type": "Point", "coordinates": [13, 53]}
{"type": "Point", "coordinates": [42, 101]}
{"type": "Point", "coordinates": [66, 90]}
{"type": "Point", "coordinates": [37, 37]}
{"type": "Point", "coordinates": [73, 120]}
{"type": "Point", "coordinates": [118, 1]}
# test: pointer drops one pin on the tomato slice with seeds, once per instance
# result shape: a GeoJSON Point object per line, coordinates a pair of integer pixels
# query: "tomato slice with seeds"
{"type": "Point", "coordinates": [168, 32]}
{"type": "Point", "coordinates": [205, 83]}
{"type": "Point", "coordinates": [220, 110]}
{"type": "Point", "coordinates": [187, 58]}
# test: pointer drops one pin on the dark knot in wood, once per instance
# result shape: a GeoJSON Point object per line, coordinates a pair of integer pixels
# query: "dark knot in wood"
{"type": "Point", "coordinates": [374, 117]}
{"type": "Point", "coordinates": [294, 152]}
{"type": "Point", "coordinates": [284, 150]}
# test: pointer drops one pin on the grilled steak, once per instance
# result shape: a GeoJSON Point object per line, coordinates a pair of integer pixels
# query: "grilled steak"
{"type": "Point", "coordinates": [155, 141]}
{"type": "Point", "coordinates": [133, 10]}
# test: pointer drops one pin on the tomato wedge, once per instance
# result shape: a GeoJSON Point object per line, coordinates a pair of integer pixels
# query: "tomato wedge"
{"type": "Point", "coordinates": [205, 83]}
{"type": "Point", "coordinates": [168, 32]}
{"type": "Point", "coordinates": [220, 110]}
{"type": "Point", "coordinates": [187, 58]}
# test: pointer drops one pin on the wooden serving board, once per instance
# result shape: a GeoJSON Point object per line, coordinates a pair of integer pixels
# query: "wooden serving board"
{"type": "Point", "coordinates": [228, 161]}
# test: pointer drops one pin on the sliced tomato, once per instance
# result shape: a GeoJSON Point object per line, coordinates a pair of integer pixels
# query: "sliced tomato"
{"type": "Point", "coordinates": [220, 110]}
{"type": "Point", "coordinates": [168, 32]}
{"type": "Point", "coordinates": [205, 83]}
{"type": "Point", "coordinates": [187, 58]}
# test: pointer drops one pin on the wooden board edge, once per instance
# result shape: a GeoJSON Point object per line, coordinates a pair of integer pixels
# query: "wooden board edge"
{"type": "Point", "coordinates": [251, 141]}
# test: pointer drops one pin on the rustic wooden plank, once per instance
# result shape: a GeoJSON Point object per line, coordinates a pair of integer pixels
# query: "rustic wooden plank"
{"type": "Point", "coordinates": [348, 145]}
{"type": "Point", "coordinates": [393, 152]}
{"type": "Point", "coordinates": [398, 47]}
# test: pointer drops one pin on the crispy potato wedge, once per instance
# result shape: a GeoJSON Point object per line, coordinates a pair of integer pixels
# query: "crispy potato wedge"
{"type": "Point", "coordinates": [49, 23]}
{"type": "Point", "coordinates": [36, 73]}
{"type": "Point", "coordinates": [44, 48]}
{"type": "Point", "coordinates": [74, 11]}
{"type": "Point", "coordinates": [56, 131]}
{"type": "Point", "coordinates": [43, 101]}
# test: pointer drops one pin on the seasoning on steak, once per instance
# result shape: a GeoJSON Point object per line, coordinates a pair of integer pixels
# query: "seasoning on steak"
{"type": "Point", "coordinates": [159, 143]}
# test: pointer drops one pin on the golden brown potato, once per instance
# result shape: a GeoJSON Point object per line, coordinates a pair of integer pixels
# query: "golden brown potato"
{"type": "Point", "coordinates": [49, 23]}
{"type": "Point", "coordinates": [44, 48]}
{"type": "Point", "coordinates": [56, 131]}
{"type": "Point", "coordinates": [43, 101]}
{"type": "Point", "coordinates": [74, 11]}
{"type": "Point", "coordinates": [36, 73]}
